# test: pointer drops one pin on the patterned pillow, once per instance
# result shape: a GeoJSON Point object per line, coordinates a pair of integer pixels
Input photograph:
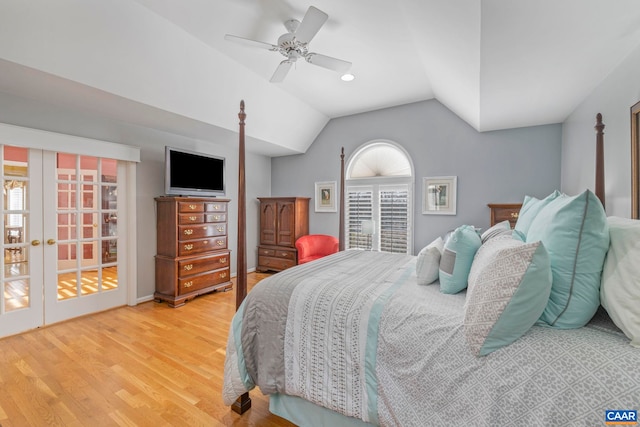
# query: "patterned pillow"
{"type": "Point", "coordinates": [575, 232]}
{"type": "Point", "coordinates": [508, 290]}
{"type": "Point", "coordinates": [428, 262]}
{"type": "Point", "coordinates": [457, 258]}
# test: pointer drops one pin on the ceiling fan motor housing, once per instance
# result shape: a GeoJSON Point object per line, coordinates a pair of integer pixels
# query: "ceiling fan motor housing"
{"type": "Point", "coordinates": [290, 47]}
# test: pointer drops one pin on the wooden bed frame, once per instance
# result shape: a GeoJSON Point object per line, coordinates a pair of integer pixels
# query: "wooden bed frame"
{"type": "Point", "coordinates": [243, 403]}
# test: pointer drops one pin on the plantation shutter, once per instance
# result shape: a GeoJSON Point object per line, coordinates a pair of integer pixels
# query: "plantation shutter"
{"type": "Point", "coordinates": [394, 218]}
{"type": "Point", "coordinates": [359, 208]}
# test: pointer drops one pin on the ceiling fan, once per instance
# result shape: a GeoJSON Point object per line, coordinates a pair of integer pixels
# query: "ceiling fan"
{"type": "Point", "coordinates": [295, 44]}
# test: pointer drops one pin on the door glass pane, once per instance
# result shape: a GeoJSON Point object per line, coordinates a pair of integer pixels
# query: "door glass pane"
{"type": "Point", "coordinates": [109, 251]}
{"type": "Point", "coordinates": [15, 276]}
{"type": "Point", "coordinates": [90, 282]}
{"type": "Point", "coordinates": [88, 225]}
{"type": "Point", "coordinates": [89, 168]}
{"type": "Point", "coordinates": [67, 286]}
{"type": "Point", "coordinates": [15, 161]}
{"type": "Point", "coordinates": [16, 295]}
{"type": "Point", "coordinates": [109, 170]}
{"type": "Point", "coordinates": [88, 253]}
{"type": "Point", "coordinates": [109, 224]}
{"type": "Point", "coordinates": [66, 252]}
{"type": "Point", "coordinates": [66, 196]}
{"type": "Point", "coordinates": [66, 166]}
{"type": "Point", "coordinates": [66, 226]}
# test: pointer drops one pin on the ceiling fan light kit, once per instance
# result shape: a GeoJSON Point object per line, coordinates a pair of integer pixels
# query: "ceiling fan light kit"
{"type": "Point", "coordinates": [295, 44]}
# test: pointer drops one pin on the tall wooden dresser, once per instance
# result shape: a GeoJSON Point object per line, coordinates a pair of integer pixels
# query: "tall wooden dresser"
{"type": "Point", "coordinates": [282, 221]}
{"type": "Point", "coordinates": [192, 255]}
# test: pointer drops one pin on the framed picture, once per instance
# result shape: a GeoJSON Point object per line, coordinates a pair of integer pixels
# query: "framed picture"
{"type": "Point", "coordinates": [439, 195]}
{"type": "Point", "coordinates": [326, 196]}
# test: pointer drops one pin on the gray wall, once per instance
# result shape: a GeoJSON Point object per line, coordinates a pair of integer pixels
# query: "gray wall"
{"type": "Point", "coordinates": [150, 171]}
{"type": "Point", "coordinates": [613, 98]}
{"type": "Point", "coordinates": [492, 167]}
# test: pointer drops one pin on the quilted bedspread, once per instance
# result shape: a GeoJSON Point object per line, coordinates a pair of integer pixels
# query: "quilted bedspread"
{"type": "Point", "coordinates": [354, 333]}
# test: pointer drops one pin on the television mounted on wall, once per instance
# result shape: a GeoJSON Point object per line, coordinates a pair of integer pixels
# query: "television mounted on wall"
{"type": "Point", "coordinates": [189, 173]}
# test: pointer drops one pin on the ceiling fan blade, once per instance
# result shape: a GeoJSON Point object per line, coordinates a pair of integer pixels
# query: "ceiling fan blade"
{"type": "Point", "coordinates": [311, 23]}
{"type": "Point", "coordinates": [328, 62]}
{"type": "Point", "coordinates": [281, 71]}
{"type": "Point", "coordinates": [249, 42]}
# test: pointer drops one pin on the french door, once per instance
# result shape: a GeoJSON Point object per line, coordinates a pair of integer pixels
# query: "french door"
{"type": "Point", "coordinates": [61, 238]}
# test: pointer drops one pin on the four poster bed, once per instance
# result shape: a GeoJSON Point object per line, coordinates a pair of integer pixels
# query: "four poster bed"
{"type": "Point", "coordinates": [354, 339]}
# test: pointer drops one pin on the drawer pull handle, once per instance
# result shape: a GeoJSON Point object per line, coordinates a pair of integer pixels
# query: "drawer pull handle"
{"type": "Point", "coordinates": [188, 267]}
{"type": "Point", "coordinates": [192, 218]}
{"type": "Point", "coordinates": [216, 217]}
{"type": "Point", "coordinates": [220, 243]}
{"type": "Point", "coordinates": [223, 275]}
{"type": "Point", "coordinates": [514, 214]}
{"type": "Point", "coordinates": [284, 254]}
{"type": "Point", "coordinates": [220, 228]}
{"type": "Point", "coordinates": [188, 246]}
{"type": "Point", "coordinates": [192, 207]}
{"type": "Point", "coordinates": [188, 232]}
{"type": "Point", "coordinates": [223, 260]}
{"type": "Point", "coordinates": [216, 207]}
{"type": "Point", "coordinates": [188, 284]}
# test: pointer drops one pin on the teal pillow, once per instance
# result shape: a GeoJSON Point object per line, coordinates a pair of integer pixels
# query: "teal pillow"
{"type": "Point", "coordinates": [531, 207]}
{"type": "Point", "coordinates": [509, 287]}
{"type": "Point", "coordinates": [457, 258]}
{"type": "Point", "coordinates": [576, 234]}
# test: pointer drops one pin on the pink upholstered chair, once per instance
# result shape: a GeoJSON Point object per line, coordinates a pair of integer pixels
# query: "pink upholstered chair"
{"type": "Point", "coordinates": [314, 246]}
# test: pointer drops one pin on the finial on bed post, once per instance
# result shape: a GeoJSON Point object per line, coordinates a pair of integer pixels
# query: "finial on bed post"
{"type": "Point", "coordinates": [242, 403]}
{"type": "Point", "coordinates": [599, 127]}
{"type": "Point", "coordinates": [341, 207]}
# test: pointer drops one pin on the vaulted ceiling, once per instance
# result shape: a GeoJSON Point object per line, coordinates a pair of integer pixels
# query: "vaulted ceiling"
{"type": "Point", "coordinates": [165, 64]}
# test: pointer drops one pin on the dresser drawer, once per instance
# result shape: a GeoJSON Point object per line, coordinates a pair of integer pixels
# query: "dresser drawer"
{"type": "Point", "coordinates": [268, 263]}
{"type": "Point", "coordinates": [197, 282]}
{"type": "Point", "coordinates": [215, 217]}
{"type": "Point", "coordinates": [190, 247]}
{"type": "Point", "coordinates": [199, 231]}
{"type": "Point", "coordinates": [200, 265]}
{"type": "Point", "coordinates": [192, 218]}
{"type": "Point", "coordinates": [215, 207]}
{"type": "Point", "coordinates": [185, 207]}
{"type": "Point", "coordinates": [276, 252]}
{"type": "Point", "coordinates": [200, 218]}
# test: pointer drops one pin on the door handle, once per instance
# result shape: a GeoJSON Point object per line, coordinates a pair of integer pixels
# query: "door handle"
{"type": "Point", "coordinates": [51, 242]}
{"type": "Point", "coordinates": [35, 242]}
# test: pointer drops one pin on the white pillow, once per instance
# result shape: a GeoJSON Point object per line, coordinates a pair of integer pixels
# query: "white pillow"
{"type": "Point", "coordinates": [428, 262]}
{"type": "Point", "coordinates": [620, 288]}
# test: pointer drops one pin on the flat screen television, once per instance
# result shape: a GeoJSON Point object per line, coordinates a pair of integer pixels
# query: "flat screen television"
{"type": "Point", "coordinates": [188, 173]}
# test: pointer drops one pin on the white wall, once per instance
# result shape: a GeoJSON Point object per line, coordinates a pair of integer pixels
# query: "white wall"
{"type": "Point", "coordinates": [150, 171]}
{"type": "Point", "coordinates": [613, 99]}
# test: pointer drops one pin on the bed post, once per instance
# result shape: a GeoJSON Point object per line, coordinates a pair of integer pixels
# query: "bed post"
{"type": "Point", "coordinates": [599, 127]}
{"type": "Point", "coordinates": [243, 403]}
{"type": "Point", "coordinates": [341, 204]}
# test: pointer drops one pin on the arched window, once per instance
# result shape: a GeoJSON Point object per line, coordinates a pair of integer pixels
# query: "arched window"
{"type": "Point", "coordinates": [379, 198]}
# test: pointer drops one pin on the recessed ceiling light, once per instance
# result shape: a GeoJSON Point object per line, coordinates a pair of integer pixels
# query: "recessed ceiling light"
{"type": "Point", "coordinates": [347, 77]}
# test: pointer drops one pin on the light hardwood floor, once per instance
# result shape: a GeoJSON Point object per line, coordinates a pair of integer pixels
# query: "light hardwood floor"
{"type": "Point", "coordinates": [148, 365]}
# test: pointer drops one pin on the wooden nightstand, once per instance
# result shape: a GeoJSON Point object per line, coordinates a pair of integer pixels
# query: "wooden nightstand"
{"type": "Point", "coordinates": [504, 211]}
